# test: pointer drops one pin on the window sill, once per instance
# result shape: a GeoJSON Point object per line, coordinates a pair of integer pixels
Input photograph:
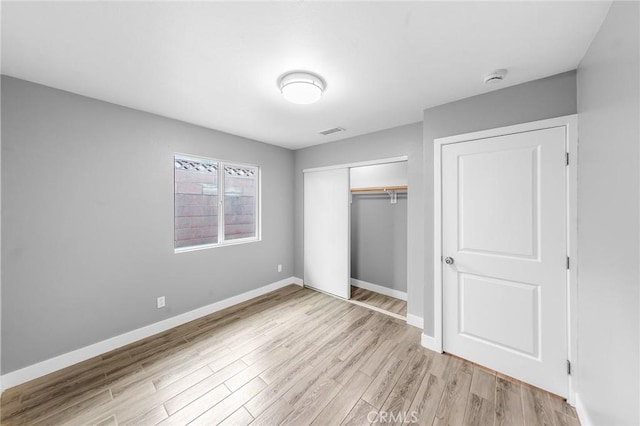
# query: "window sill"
{"type": "Point", "coordinates": [216, 245]}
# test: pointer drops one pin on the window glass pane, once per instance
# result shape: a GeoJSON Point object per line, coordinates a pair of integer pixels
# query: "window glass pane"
{"type": "Point", "coordinates": [196, 201]}
{"type": "Point", "coordinates": [240, 201]}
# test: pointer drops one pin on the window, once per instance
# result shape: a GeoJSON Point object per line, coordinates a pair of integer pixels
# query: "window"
{"type": "Point", "coordinates": [198, 222]}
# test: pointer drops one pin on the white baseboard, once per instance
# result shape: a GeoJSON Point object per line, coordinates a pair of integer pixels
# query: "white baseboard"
{"type": "Point", "coordinates": [415, 321]}
{"type": "Point", "coordinates": [430, 343]}
{"type": "Point", "coordinates": [43, 368]}
{"type": "Point", "coordinates": [298, 281]}
{"type": "Point", "coordinates": [379, 289]}
{"type": "Point", "coordinates": [582, 412]}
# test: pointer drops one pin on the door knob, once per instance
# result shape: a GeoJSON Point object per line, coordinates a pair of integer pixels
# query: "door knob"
{"type": "Point", "coordinates": [449, 260]}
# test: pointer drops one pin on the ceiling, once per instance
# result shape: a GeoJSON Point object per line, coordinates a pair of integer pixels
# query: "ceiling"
{"type": "Point", "coordinates": [216, 64]}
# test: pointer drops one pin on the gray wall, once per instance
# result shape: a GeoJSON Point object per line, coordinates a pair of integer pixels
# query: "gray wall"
{"type": "Point", "coordinates": [379, 240]}
{"type": "Point", "coordinates": [87, 190]}
{"type": "Point", "coordinates": [1, 385]}
{"type": "Point", "coordinates": [608, 211]}
{"type": "Point", "coordinates": [536, 100]}
{"type": "Point", "coordinates": [404, 140]}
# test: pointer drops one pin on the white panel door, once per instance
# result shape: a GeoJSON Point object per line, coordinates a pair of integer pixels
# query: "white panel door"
{"type": "Point", "coordinates": [504, 227]}
{"type": "Point", "coordinates": [327, 231]}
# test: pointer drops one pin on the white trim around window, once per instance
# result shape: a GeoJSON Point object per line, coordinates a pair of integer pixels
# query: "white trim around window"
{"type": "Point", "coordinates": [222, 191]}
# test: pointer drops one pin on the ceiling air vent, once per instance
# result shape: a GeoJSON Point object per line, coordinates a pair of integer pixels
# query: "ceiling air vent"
{"type": "Point", "coordinates": [334, 130]}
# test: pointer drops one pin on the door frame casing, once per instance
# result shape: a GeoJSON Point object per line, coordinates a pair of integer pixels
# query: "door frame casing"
{"type": "Point", "coordinates": [570, 122]}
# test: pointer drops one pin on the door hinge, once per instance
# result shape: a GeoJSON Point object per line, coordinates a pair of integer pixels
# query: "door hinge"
{"type": "Point", "coordinates": [567, 157]}
{"type": "Point", "coordinates": [568, 263]}
{"type": "Point", "coordinates": [568, 367]}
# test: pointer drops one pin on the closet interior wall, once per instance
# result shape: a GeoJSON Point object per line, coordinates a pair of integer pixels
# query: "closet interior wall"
{"type": "Point", "coordinates": [379, 226]}
{"type": "Point", "coordinates": [379, 240]}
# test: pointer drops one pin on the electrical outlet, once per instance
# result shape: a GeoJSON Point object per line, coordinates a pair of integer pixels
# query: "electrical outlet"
{"type": "Point", "coordinates": [279, 268]}
{"type": "Point", "coordinates": [161, 302]}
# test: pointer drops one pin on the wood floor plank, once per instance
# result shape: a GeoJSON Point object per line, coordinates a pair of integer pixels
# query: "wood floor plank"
{"type": "Point", "coordinates": [378, 358]}
{"type": "Point", "coordinates": [68, 414]}
{"type": "Point", "coordinates": [310, 378]}
{"type": "Point", "coordinates": [304, 352]}
{"type": "Point", "coordinates": [351, 322]}
{"type": "Point", "coordinates": [109, 421]}
{"type": "Point", "coordinates": [562, 419]}
{"type": "Point", "coordinates": [479, 411]}
{"type": "Point", "coordinates": [186, 362]}
{"type": "Point", "coordinates": [508, 409]}
{"type": "Point", "coordinates": [401, 397]}
{"type": "Point", "coordinates": [454, 400]}
{"type": "Point", "coordinates": [340, 406]}
{"type": "Point", "coordinates": [560, 405]}
{"type": "Point", "coordinates": [293, 356]}
{"type": "Point", "coordinates": [58, 394]}
{"type": "Point", "coordinates": [483, 384]}
{"type": "Point", "coordinates": [130, 405]}
{"type": "Point", "coordinates": [537, 408]}
{"type": "Point", "coordinates": [201, 387]}
{"type": "Point", "coordinates": [354, 360]}
{"type": "Point", "coordinates": [443, 365]}
{"type": "Point", "coordinates": [230, 404]}
{"type": "Point", "coordinates": [312, 402]}
{"type": "Point", "coordinates": [196, 408]}
{"type": "Point", "coordinates": [151, 417]}
{"type": "Point", "coordinates": [161, 381]}
{"type": "Point", "coordinates": [273, 359]}
{"type": "Point", "coordinates": [275, 342]}
{"type": "Point", "coordinates": [240, 418]}
{"type": "Point", "coordinates": [274, 414]}
{"type": "Point", "coordinates": [238, 353]}
{"type": "Point", "coordinates": [136, 392]}
{"type": "Point", "coordinates": [425, 403]}
{"type": "Point", "coordinates": [378, 300]}
{"type": "Point", "coordinates": [277, 388]}
{"type": "Point", "coordinates": [386, 377]}
{"type": "Point", "coordinates": [362, 414]}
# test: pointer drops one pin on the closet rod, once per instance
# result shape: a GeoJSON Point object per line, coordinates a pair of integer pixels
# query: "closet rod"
{"type": "Point", "coordinates": [380, 189]}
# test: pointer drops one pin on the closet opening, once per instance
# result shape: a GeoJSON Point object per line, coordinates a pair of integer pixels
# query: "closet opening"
{"type": "Point", "coordinates": [378, 240]}
{"type": "Point", "coordinates": [355, 233]}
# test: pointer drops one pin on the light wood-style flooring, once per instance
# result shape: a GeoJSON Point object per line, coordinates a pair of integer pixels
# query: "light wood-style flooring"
{"type": "Point", "coordinates": [378, 300]}
{"type": "Point", "coordinates": [291, 357]}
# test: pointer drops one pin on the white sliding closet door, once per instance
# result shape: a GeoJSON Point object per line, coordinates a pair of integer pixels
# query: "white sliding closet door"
{"type": "Point", "coordinates": [327, 231]}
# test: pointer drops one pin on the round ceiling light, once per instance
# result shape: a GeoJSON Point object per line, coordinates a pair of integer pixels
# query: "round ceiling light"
{"type": "Point", "coordinates": [301, 87]}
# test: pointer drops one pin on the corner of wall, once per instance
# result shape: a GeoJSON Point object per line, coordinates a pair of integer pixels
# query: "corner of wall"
{"type": "Point", "coordinates": [415, 321]}
{"type": "Point", "coordinates": [583, 416]}
{"type": "Point", "coordinates": [430, 343]}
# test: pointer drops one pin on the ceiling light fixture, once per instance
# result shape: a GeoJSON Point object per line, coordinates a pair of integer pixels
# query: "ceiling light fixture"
{"type": "Point", "coordinates": [301, 87]}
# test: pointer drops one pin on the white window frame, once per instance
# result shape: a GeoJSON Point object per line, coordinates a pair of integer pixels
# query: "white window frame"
{"type": "Point", "coordinates": [222, 242]}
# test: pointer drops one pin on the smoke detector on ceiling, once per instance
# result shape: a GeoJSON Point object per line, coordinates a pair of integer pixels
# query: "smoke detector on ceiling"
{"type": "Point", "coordinates": [495, 77]}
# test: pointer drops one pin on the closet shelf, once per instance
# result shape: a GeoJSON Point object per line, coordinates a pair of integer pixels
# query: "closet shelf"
{"type": "Point", "coordinates": [380, 189]}
{"type": "Point", "coordinates": [391, 190]}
